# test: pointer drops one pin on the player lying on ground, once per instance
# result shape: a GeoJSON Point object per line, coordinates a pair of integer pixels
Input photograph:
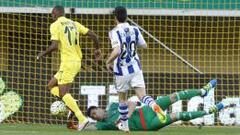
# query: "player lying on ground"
{"type": "Point", "coordinates": [145, 118]}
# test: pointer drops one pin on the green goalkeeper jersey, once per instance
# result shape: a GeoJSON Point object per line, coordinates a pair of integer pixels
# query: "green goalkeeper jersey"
{"type": "Point", "coordinates": [143, 118]}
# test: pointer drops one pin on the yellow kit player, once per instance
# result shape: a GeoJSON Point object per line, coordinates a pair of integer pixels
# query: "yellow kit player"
{"type": "Point", "coordinates": [65, 37]}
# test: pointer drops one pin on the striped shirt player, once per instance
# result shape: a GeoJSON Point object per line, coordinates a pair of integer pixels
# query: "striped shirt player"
{"type": "Point", "coordinates": [126, 65]}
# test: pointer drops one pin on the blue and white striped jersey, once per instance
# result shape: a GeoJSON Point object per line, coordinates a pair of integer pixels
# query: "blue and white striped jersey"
{"type": "Point", "coordinates": [127, 37]}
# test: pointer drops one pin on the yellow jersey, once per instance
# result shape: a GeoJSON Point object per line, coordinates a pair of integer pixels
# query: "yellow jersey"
{"type": "Point", "coordinates": [67, 32]}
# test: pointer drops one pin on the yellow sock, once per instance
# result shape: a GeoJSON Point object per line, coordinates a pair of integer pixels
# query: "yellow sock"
{"type": "Point", "coordinates": [55, 91]}
{"type": "Point", "coordinates": [71, 103]}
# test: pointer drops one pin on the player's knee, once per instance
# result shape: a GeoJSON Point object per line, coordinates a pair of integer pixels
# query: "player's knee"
{"type": "Point", "coordinates": [173, 97]}
{"type": "Point", "coordinates": [62, 93]}
{"type": "Point", "coordinates": [64, 89]}
{"type": "Point", "coordinates": [140, 92]}
{"type": "Point", "coordinates": [140, 97]}
{"type": "Point", "coordinates": [50, 85]}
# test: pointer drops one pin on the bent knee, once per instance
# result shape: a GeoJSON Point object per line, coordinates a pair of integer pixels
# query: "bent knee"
{"type": "Point", "coordinates": [140, 92]}
{"type": "Point", "coordinates": [50, 86]}
{"type": "Point", "coordinates": [52, 83]}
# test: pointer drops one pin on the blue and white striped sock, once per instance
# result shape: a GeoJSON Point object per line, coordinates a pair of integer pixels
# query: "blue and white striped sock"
{"type": "Point", "coordinates": [123, 110]}
{"type": "Point", "coordinates": [148, 100]}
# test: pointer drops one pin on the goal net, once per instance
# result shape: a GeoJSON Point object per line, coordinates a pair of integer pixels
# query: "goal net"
{"type": "Point", "coordinates": [189, 43]}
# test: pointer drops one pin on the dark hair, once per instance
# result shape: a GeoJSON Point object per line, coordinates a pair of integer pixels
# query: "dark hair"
{"type": "Point", "coordinates": [60, 9]}
{"type": "Point", "coordinates": [90, 109]}
{"type": "Point", "coordinates": [120, 13]}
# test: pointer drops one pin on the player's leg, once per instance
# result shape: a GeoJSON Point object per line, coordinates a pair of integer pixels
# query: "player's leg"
{"type": "Point", "coordinates": [60, 91]}
{"type": "Point", "coordinates": [186, 116]}
{"type": "Point", "coordinates": [123, 110]}
{"type": "Point", "coordinates": [146, 99]}
{"type": "Point", "coordinates": [173, 117]}
{"type": "Point", "coordinates": [70, 102]}
{"type": "Point", "coordinates": [53, 87]}
{"type": "Point", "coordinates": [122, 86]}
{"type": "Point", "coordinates": [188, 94]}
{"type": "Point", "coordinates": [166, 101]}
{"type": "Point", "coordinates": [68, 73]}
{"type": "Point", "coordinates": [137, 82]}
{"type": "Point", "coordinates": [157, 124]}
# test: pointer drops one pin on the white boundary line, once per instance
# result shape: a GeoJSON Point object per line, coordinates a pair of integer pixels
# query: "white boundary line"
{"type": "Point", "coordinates": [155, 12]}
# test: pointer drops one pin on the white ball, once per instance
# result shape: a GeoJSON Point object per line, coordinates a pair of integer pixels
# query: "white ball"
{"type": "Point", "coordinates": [58, 108]}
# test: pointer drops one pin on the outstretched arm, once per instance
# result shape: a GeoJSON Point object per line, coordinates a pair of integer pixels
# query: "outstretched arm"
{"type": "Point", "coordinates": [51, 48]}
{"type": "Point", "coordinates": [95, 39]}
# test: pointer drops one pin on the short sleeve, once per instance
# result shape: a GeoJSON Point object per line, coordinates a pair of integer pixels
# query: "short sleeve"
{"type": "Point", "coordinates": [141, 40]}
{"type": "Point", "coordinates": [81, 29]}
{"type": "Point", "coordinates": [114, 39]}
{"type": "Point", "coordinates": [54, 32]}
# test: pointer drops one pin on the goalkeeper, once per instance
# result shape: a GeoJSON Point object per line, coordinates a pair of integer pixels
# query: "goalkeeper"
{"type": "Point", "coordinates": [146, 119]}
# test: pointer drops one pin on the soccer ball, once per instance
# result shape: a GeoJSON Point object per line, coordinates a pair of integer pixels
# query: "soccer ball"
{"type": "Point", "coordinates": [58, 108]}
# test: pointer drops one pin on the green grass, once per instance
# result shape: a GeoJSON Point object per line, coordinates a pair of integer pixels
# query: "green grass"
{"type": "Point", "coordinates": [39, 129]}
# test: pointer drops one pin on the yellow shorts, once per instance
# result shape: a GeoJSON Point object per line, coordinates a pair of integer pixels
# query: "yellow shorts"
{"type": "Point", "coordinates": [67, 72]}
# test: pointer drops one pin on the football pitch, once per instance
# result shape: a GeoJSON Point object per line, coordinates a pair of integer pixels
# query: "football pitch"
{"type": "Point", "coordinates": [39, 129]}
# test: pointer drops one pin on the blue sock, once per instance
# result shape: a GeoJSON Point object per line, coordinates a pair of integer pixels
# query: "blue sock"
{"type": "Point", "coordinates": [123, 110]}
{"type": "Point", "coordinates": [148, 100]}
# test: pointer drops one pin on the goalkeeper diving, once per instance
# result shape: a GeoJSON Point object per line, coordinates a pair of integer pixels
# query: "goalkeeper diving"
{"type": "Point", "coordinates": [145, 118]}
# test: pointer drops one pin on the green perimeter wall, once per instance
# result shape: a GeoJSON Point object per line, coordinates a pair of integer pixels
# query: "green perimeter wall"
{"type": "Point", "coordinates": [169, 4]}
